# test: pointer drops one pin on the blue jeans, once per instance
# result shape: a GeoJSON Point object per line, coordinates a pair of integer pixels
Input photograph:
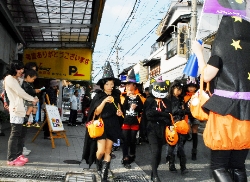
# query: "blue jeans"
{"type": "Point", "coordinates": [16, 141]}
{"type": "Point", "coordinates": [228, 159]}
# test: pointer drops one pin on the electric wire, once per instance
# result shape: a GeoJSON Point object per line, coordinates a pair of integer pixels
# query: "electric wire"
{"type": "Point", "coordinates": [126, 26]}
{"type": "Point", "coordinates": [121, 30]}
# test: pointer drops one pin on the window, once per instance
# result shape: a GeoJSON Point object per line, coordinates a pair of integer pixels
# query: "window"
{"type": "Point", "coordinates": [171, 49]}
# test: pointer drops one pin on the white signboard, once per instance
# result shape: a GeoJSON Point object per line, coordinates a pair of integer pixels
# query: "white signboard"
{"type": "Point", "coordinates": [54, 118]}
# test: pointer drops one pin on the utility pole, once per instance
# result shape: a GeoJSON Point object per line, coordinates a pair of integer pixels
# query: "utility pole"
{"type": "Point", "coordinates": [117, 59]}
{"type": "Point", "coordinates": [193, 20]}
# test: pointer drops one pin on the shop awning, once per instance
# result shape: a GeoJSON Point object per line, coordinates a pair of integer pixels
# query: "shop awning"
{"type": "Point", "coordinates": [152, 62]}
{"type": "Point", "coordinates": [53, 23]}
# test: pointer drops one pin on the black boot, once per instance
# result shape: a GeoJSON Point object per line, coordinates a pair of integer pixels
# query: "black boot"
{"type": "Point", "coordinates": [167, 158]}
{"type": "Point", "coordinates": [183, 161]}
{"type": "Point", "coordinates": [155, 178]}
{"type": "Point", "coordinates": [99, 167]}
{"type": "Point", "coordinates": [172, 164]}
{"type": "Point", "coordinates": [105, 171]}
{"type": "Point", "coordinates": [222, 175]}
{"type": "Point", "coordinates": [194, 153]}
{"type": "Point", "coordinates": [238, 175]}
{"type": "Point", "coordinates": [126, 163]}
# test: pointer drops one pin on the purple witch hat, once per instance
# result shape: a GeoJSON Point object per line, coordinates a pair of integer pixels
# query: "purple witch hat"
{"type": "Point", "coordinates": [131, 77]}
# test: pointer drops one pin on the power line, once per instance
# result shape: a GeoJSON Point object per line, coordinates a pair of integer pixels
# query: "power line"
{"type": "Point", "coordinates": [122, 29]}
{"type": "Point", "coordinates": [140, 40]}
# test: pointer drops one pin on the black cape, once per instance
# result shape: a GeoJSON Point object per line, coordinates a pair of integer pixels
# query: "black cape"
{"type": "Point", "coordinates": [90, 145]}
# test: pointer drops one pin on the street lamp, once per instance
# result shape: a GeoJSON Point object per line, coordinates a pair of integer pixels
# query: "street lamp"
{"type": "Point", "coordinates": [174, 33]}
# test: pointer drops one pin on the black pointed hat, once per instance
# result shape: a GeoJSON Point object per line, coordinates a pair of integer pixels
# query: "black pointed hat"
{"type": "Point", "coordinates": [131, 77]}
{"type": "Point", "coordinates": [108, 74]}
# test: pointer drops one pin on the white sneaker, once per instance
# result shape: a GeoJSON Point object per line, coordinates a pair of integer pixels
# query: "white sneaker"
{"type": "Point", "coordinates": [26, 151]}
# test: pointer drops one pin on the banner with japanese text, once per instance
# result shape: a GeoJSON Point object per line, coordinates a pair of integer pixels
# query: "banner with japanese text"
{"type": "Point", "coordinates": [238, 8]}
{"type": "Point", "coordinates": [66, 64]}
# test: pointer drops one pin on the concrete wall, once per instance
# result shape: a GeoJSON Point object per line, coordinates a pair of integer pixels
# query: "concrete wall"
{"type": "Point", "coordinates": [8, 51]}
{"type": "Point", "coordinates": [8, 48]}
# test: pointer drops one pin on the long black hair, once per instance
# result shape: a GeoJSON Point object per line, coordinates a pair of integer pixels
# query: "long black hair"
{"type": "Point", "coordinates": [104, 81]}
{"type": "Point", "coordinates": [176, 84]}
{"type": "Point", "coordinates": [14, 65]}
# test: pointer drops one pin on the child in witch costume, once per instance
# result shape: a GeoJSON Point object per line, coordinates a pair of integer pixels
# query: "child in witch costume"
{"type": "Point", "coordinates": [132, 109]}
{"type": "Point", "coordinates": [191, 87]}
{"type": "Point", "coordinates": [228, 125]}
{"type": "Point", "coordinates": [131, 86]}
{"type": "Point", "coordinates": [157, 108]}
{"type": "Point", "coordinates": [177, 107]}
{"type": "Point", "coordinates": [105, 103]}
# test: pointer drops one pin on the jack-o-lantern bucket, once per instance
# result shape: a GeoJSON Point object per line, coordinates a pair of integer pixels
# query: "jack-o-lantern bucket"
{"type": "Point", "coordinates": [171, 136]}
{"type": "Point", "coordinates": [181, 127]}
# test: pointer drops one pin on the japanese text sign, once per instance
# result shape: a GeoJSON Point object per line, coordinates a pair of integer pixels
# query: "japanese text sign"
{"type": "Point", "coordinates": [238, 8]}
{"type": "Point", "coordinates": [68, 64]}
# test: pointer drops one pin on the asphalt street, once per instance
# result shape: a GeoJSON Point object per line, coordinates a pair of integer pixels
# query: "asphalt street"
{"type": "Point", "coordinates": [198, 170]}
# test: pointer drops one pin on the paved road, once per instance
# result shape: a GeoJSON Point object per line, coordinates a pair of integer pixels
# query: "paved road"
{"type": "Point", "coordinates": [198, 170]}
{"type": "Point", "coordinates": [45, 159]}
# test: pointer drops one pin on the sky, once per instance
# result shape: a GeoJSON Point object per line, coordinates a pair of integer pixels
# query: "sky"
{"type": "Point", "coordinates": [129, 25]}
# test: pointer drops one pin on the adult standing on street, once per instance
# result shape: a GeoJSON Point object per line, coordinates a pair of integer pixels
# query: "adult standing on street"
{"type": "Point", "coordinates": [228, 125]}
{"type": "Point", "coordinates": [73, 109]}
{"type": "Point", "coordinates": [17, 113]}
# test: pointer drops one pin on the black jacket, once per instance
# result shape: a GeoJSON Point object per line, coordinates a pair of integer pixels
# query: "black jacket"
{"type": "Point", "coordinates": [29, 88]}
{"type": "Point", "coordinates": [177, 111]}
{"type": "Point", "coordinates": [153, 115]}
{"type": "Point", "coordinates": [132, 118]}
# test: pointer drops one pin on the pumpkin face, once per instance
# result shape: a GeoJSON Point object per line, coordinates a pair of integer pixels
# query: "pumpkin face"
{"type": "Point", "coordinates": [181, 127]}
{"type": "Point", "coordinates": [171, 136]}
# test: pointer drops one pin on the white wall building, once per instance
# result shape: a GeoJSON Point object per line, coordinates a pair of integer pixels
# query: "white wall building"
{"type": "Point", "coordinates": [170, 52]}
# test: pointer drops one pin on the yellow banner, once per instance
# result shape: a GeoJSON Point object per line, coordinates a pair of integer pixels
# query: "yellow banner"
{"type": "Point", "coordinates": [68, 64]}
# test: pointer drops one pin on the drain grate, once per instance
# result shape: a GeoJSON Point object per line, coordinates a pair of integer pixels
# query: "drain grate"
{"type": "Point", "coordinates": [80, 177]}
{"type": "Point", "coordinates": [32, 174]}
{"type": "Point", "coordinates": [130, 178]}
{"type": "Point", "coordinates": [72, 162]}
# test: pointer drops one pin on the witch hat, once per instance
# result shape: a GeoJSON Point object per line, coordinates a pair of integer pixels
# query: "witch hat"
{"type": "Point", "coordinates": [108, 74]}
{"type": "Point", "coordinates": [131, 77]}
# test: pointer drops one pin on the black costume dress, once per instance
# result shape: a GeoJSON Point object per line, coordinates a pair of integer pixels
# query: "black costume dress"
{"type": "Point", "coordinates": [112, 129]}
{"type": "Point", "coordinates": [158, 118]}
{"type": "Point", "coordinates": [228, 124]}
